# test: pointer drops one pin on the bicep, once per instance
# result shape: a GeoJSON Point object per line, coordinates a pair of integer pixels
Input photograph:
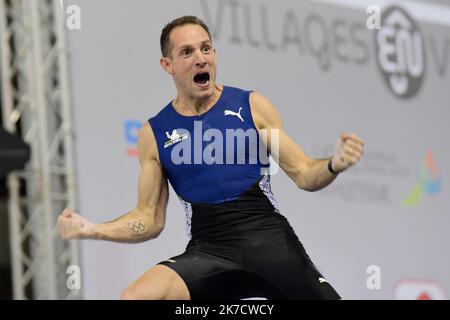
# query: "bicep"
{"type": "Point", "coordinates": [152, 185]}
{"type": "Point", "coordinates": [283, 149]}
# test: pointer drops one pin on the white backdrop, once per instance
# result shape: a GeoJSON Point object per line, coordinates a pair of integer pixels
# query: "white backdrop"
{"type": "Point", "coordinates": [319, 64]}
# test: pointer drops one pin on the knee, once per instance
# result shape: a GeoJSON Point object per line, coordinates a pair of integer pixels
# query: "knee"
{"type": "Point", "coordinates": [137, 293]}
{"type": "Point", "coordinates": [129, 294]}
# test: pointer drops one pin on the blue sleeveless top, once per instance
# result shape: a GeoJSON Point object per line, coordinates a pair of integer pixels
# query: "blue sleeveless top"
{"type": "Point", "coordinates": [214, 157]}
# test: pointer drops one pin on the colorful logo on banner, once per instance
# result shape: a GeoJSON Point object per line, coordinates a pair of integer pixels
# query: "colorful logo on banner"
{"type": "Point", "coordinates": [132, 128]}
{"type": "Point", "coordinates": [430, 182]}
{"type": "Point", "coordinates": [419, 290]}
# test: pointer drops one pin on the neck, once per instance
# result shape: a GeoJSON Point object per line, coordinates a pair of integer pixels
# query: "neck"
{"type": "Point", "coordinates": [190, 106]}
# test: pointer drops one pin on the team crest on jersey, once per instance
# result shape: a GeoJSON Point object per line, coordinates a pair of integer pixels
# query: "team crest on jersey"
{"type": "Point", "coordinates": [174, 138]}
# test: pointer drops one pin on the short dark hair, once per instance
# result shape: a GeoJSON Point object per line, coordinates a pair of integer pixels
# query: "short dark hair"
{"type": "Point", "coordinates": [178, 22]}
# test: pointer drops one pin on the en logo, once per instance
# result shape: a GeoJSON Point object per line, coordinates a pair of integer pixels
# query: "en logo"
{"type": "Point", "coordinates": [400, 52]}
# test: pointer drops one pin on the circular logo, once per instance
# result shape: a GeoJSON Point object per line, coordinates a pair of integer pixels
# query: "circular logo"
{"type": "Point", "coordinates": [400, 52]}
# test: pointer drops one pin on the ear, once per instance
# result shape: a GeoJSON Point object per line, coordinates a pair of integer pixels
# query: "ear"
{"type": "Point", "coordinates": [166, 64]}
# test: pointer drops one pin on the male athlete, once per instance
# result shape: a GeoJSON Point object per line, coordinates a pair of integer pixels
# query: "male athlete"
{"type": "Point", "coordinates": [240, 245]}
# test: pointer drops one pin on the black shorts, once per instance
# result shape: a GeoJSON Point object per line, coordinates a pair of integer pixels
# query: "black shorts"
{"type": "Point", "coordinates": [246, 249]}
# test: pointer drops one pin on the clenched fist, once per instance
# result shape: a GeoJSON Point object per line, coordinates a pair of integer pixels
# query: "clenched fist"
{"type": "Point", "coordinates": [73, 226]}
{"type": "Point", "coordinates": [349, 150]}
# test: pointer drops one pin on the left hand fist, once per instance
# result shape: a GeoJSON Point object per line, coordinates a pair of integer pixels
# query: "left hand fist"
{"type": "Point", "coordinates": [349, 150]}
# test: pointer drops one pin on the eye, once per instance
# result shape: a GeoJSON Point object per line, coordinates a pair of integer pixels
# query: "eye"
{"type": "Point", "coordinates": [186, 52]}
{"type": "Point", "coordinates": [207, 49]}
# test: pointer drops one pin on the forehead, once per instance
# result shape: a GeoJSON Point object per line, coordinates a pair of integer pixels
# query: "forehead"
{"type": "Point", "coordinates": [189, 34]}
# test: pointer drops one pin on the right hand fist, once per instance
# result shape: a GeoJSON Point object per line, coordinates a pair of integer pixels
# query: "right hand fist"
{"type": "Point", "coordinates": [349, 150]}
{"type": "Point", "coordinates": [72, 226]}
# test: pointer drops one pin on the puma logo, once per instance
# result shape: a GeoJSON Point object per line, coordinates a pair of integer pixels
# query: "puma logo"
{"type": "Point", "coordinates": [236, 114]}
{"type": "Point", "coordinates": [322, 280]}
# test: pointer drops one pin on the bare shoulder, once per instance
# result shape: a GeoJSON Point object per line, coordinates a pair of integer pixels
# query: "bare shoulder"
{"type": "Point", "coordinates": [147, 148]}
{"type": "Point", "coordinates": [265, 114]}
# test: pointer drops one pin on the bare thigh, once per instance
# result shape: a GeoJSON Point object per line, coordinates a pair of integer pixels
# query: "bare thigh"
{"type": "Point", "coordinates": [158, 283]}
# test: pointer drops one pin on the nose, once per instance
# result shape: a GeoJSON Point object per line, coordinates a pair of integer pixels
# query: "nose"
{"type": "Point", "coordinates": [200, 59]}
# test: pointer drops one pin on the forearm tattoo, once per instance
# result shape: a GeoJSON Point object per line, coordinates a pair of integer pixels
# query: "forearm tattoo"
{"type": "Point", "coordinates": [138, 228]}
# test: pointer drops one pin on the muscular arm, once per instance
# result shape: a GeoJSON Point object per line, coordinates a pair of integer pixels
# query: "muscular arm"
{"type": "Point", "coordinates": [146, 220]}
{"type": "Point", "coordinates": [307, 173]}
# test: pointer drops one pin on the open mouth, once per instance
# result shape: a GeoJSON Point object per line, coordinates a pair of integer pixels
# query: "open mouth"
{"type": "Point", "coordinates": [202, 78]}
